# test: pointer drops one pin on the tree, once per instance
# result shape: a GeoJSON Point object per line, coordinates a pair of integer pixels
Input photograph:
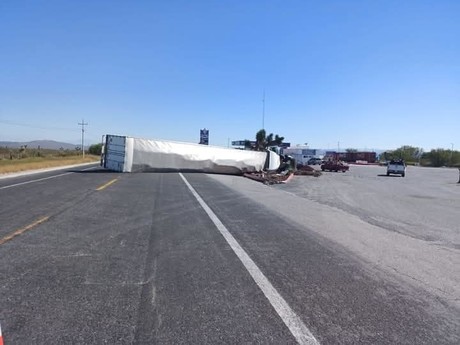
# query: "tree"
{"type": "Point", "coordinates": [264, 141]}
{"type": "Point", "coordinates": [95, 149]}
{"type": "Point", "coordinates": [438, 157]}
{"type": "Point", "coordinates": [351, 150]}
{"type": "Point", "coordinates": [260, 140]}
{"type": "Point", "coordinates": [406, 152]}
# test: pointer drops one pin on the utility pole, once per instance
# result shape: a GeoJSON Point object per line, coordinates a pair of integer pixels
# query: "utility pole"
{"type": "Point", "coordinates": [451, 153]}
{"type": "Point", "coordinates": [263, 111]}
{"type": "Point", "coordinates": [338, 150]}
{"type": "Point", "coordinates": [83, 124]}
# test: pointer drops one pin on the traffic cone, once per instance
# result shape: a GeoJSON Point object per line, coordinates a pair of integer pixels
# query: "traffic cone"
{"type": "Point", "coordinates": [1, 338]}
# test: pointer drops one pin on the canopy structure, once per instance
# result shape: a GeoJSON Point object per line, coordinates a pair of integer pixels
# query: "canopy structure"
{"type": "Point", "coordinates": [127, 154]}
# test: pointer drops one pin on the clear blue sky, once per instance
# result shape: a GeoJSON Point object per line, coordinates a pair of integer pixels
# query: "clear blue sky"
{"type": "Point", "coordinates": [367, 74]}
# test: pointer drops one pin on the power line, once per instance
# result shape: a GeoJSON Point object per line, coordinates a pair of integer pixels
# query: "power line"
{"type": "Point", "coordinates": [35, 126]}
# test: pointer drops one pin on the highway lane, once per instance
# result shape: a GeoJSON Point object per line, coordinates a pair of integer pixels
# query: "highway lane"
{"type": "Point", "coordinates": [26, 199]}
{"type": "Point", "coordinates": [141, 262]}
{"type": "Point", "coordinates": [135, 262]}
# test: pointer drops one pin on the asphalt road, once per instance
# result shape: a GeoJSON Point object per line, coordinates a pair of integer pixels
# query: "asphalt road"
{"type": "Point", "coordinates": [93, 257]}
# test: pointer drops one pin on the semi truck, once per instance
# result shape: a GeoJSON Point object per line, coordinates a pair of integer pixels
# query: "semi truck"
{"type": "Point", "coordinates": [128, 154]}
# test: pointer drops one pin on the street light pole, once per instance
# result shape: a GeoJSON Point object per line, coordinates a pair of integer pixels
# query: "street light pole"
{"type": "Point", "coordinates": [451, 152]}
{"type": "Point", "coordinates": [263, 111]}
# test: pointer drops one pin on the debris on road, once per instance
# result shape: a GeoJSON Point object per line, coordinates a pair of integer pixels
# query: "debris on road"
{"type": "Point", "coordinates": [334, 165]}
{"type": "Point", "coordinates": [269, 178]}
{"type": "Point", "coordinates": [283, 176]}
{"type": "Point", "coordinates": [305, 170]}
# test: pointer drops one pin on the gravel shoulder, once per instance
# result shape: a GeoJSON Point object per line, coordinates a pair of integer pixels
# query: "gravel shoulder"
{"type": "Point", "coordinates": [405, 228]}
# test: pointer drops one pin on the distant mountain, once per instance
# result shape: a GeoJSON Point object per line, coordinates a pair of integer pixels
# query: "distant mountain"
{"type": "Point", "coordinates": [43, 144]}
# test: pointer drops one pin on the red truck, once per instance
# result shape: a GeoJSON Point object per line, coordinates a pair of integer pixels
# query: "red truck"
{"type": "Point", "coordinates": [334, 166]}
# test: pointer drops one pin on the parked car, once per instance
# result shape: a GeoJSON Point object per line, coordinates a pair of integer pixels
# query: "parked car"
{"type": "Point", "coordinates": [314, 161]}
{"type": "Point", "coordinates": [334, 166]}
{"type": "Point", "coordinates": [396, 167]}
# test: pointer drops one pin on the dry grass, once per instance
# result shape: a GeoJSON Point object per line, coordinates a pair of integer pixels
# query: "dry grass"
{"type": "Point", "coordinates": [33, 163]}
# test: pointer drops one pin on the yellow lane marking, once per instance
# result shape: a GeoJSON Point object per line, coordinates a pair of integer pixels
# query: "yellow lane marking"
{"type": "Point", "coordinates": [22, 230]}
{"type": "Point", "coordinates": [107, 184]}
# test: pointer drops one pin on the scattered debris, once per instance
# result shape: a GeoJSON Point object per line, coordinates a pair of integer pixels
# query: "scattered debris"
{"type": "Point", "coordinates": [283, 176]}
{"type": "Point", "coordinates": [269, 178]}
{"type": "Point", "coordinates": [335, 165]}
{"type": "Point", "coordinates": [305, 170]}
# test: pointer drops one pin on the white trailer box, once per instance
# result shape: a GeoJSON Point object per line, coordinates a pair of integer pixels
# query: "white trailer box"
{"type": "Point", "coordinates": [126, 154]}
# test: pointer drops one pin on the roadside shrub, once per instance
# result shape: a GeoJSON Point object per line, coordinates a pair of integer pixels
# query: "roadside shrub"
{"type": "Point", "coordinates": [95, 149]}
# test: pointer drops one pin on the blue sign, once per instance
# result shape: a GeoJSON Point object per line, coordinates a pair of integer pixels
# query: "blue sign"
{"type": "Point", "coordinates": [204, 136]}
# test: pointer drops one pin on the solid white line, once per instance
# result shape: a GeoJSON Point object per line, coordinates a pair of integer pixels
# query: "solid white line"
{"type": "Point", "coordinates": [41, 179]}
{"type": "Point", "coordinates": [298, 329]}
{"type": "Point", "coordinates": [37, 180]}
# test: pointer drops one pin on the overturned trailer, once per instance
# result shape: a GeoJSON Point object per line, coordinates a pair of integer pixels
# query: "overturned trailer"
{"type": "Point", "coordinates": [127, 154]}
